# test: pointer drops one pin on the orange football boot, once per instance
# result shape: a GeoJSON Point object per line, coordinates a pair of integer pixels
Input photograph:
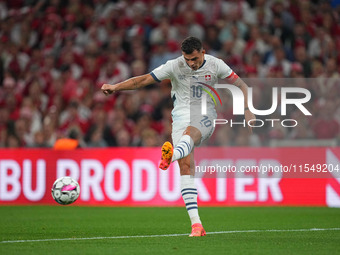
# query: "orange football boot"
{"type": "Point", "coordinates": [197, 230]}
{"type": "Point", "coordinates": [167, 152]}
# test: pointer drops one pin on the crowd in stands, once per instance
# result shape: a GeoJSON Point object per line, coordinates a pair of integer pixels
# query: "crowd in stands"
{"type": "Point", "coordinates": [56, 54]}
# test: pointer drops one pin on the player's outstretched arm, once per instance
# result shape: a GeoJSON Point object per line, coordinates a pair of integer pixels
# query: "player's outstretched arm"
{"type": "Point", "coordinates": [130, 84]}
{"type": "Point", "coordinates": [248, 115]}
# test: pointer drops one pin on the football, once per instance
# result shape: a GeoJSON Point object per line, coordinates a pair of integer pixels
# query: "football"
{"type": "Point", "coordinates": [65, 190]}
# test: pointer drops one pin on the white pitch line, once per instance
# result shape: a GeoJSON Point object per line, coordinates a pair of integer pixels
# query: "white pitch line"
{"type": "Point", "coordinates": [170, 235]}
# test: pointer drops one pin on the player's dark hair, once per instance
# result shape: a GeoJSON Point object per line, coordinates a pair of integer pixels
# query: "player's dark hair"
{"type": "Point", "coordinates": [191, 44]}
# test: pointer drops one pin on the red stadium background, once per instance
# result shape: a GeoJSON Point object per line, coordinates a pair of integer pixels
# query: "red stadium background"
{"type": "Point", "coordinates": [130, 177]}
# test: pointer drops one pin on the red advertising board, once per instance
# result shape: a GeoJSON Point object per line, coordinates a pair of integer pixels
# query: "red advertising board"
{"type": "Point", "coordinates": [130, 176]}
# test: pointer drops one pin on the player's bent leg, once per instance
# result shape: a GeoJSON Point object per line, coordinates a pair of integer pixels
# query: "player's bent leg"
{"type": "Point", "coordinates": [194, 133]}
{"type": "Point", "coordinates": [184, 147]}
{"type": "Point", "coordinates": [167, 152]}
{"type": "Point", "coordinates": [191, 136]}
{"type": "Point", "coordinates": [189, 194]}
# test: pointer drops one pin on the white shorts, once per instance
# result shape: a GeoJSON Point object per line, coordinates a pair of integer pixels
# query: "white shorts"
{"type": "Point", "coordinates": [205, 124]}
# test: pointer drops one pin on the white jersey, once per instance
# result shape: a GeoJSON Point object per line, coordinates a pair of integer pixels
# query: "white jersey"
{"type": "Point", "coordinates": [188, 85]}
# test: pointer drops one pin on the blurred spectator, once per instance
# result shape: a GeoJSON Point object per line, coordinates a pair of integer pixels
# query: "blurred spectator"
{"type": "Point", "coordinates": [280, 29]}
{"type": "Point", "coordinates": [21, 131]}
{"type": "Point", "coordinates": [163, 33]}
{"type": "Point", "coordinates": [274, 43]}
{"type": "Point", "coordinates": [260, 14]}
{"type": "Point", "coordinates": [301, 37]}
{"type": "Point", "coordinates": [95, 136]}
{"type": "Point", "coordinates": [331, 68]}
{"type": "Point", "coordinates": [301, 57]}
{"type": "Point", "coordinates": [138, 67]}
{"type": "Point", "coordinates": [211, 42]}
{"type": "Point", "coordinates": [96, 139]}
{"type": "Point", "coordinates": [39, 140]}
{"type": "Point", "coordinates": [143, 122]}
{"type": "Point", "coordinates": [150, 138]}
{"type": "Point", "coordinates": [160, 55]}
{"type": "Point", "coordinates": [318, 43]}
{"type": "Point", "coordinates": [91, 69]}
{"type": "Point", "coordinates": [24, 36]}
{"type": "Point", "coordinates": [239, 43]}
{"type": "Point", "coordinates": [296, 70]}
{"type": "Point", "coordinates": [12, 141]}
{"type": "Point", "coordinates": [229, 21]}
{"type": "Point", "coordinates": [115, 45]}
{"type": "Point", "coordinates": [279, 60]}
{"type": "Point", "coordinates": [243, 138]}
{"type": "Point", "coordinates": [114, 71]}
{"type": "Point", "coordinates": [15, 61]}
{"type": "Point", "coordinates": [71, 116]}
{"type": "Point", "coordinates": [193, 27]}
{"type": "Point", "coordinates": [67, 59]}
{"type": "Point", "coordinates": [325, 126]}
{"type": "Point", "coordinates": [49, 132]}
{"type": "Point", "coordinates": [96, 33]}
{"type": "Point", "coordinates": [254, 67]}
{"type": "Point", "coordinates": [123, 138]}
{"type": "Point", "coordinates": [4, 123]}
{"type": "Point", "coordinates": [49, 71]}
{"type": "Point", "coordinates": [68, 83]}
{"type": "Point", "coordinates": [277, 131]}
{"type": "Point", "coordinates": [223, 136]}
{"type": "Point", "coordinates": [301, 131]}
{"type": "Point", "coordinates": [255, 42]}
{"type": "Point", "coordinates": [279, 7]}
{"type": "Point", "coordinates": [317, 69]}
{"type": "Point", "coordinates": [32, 113]}
{"type": "Point", "coordinates": [38, 100]}
{"type": "Point", "coordinates": [68, 143]}
{"type": "Point", "coordinates": [103, 8]}
{"type": "Point", "coordinates": [228, 53]}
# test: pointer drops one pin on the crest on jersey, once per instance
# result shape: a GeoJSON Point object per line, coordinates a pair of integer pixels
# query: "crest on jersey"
{"type": "Point", "coordinates": [181, 77]}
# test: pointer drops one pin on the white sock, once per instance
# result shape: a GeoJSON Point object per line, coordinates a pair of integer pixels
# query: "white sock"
{"type": "Point", "coordinates": [183, 148]}
{"type": "Point", "coordinates": [189, 195]}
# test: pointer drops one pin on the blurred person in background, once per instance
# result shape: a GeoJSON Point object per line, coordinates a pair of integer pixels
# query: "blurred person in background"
{"type": "Point", "coordinates": [5, 122]}
{"type": "Point", "coordinates": [161, 53]}
{"type": "Point", "coordinates": [163, 33]}
{"type": "Point", "coordinates": [282, 30]}
{"type": "Point", "coordinates": [50, 132]}
{"type": "Point", "coordinates": [143, 122]}
{"type": "Point", "coordinates": [301, 57]}
{"type": "Point", "coordinates": [242, 139]}
{"type": "Point", "coordinates": [70, 142]}
{"type": "Point", "coordinates": [71, 116]}
{"type": "Point", "coordinates": [114, 70]}
{"type": "Point", "coordinates": [325, 125]}
{"type": "Point", "coordinates": [39, 140]}
{"type": "Point", "coordinates": [279, 60]}
{"type": "Point", "coordinates": [95, 138]}
{"type": "Point", "coordinates": [211, 41]}
{"type": "Point", "coordinates": [150, 138]}
{"type": "Point", "coordinates": [98, 130]}
{"type": "Point", "coordinates": [12, 141]}
{"type": "Point", "coordinates": [123, 138]}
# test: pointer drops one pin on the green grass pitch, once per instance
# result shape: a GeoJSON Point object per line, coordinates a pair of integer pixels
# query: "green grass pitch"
{"type": "Point", "coordinates": [146, 230]}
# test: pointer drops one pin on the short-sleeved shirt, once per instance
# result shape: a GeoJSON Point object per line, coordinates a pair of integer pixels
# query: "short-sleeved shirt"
{"type": "Point", "coordinates": [188, 84]}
